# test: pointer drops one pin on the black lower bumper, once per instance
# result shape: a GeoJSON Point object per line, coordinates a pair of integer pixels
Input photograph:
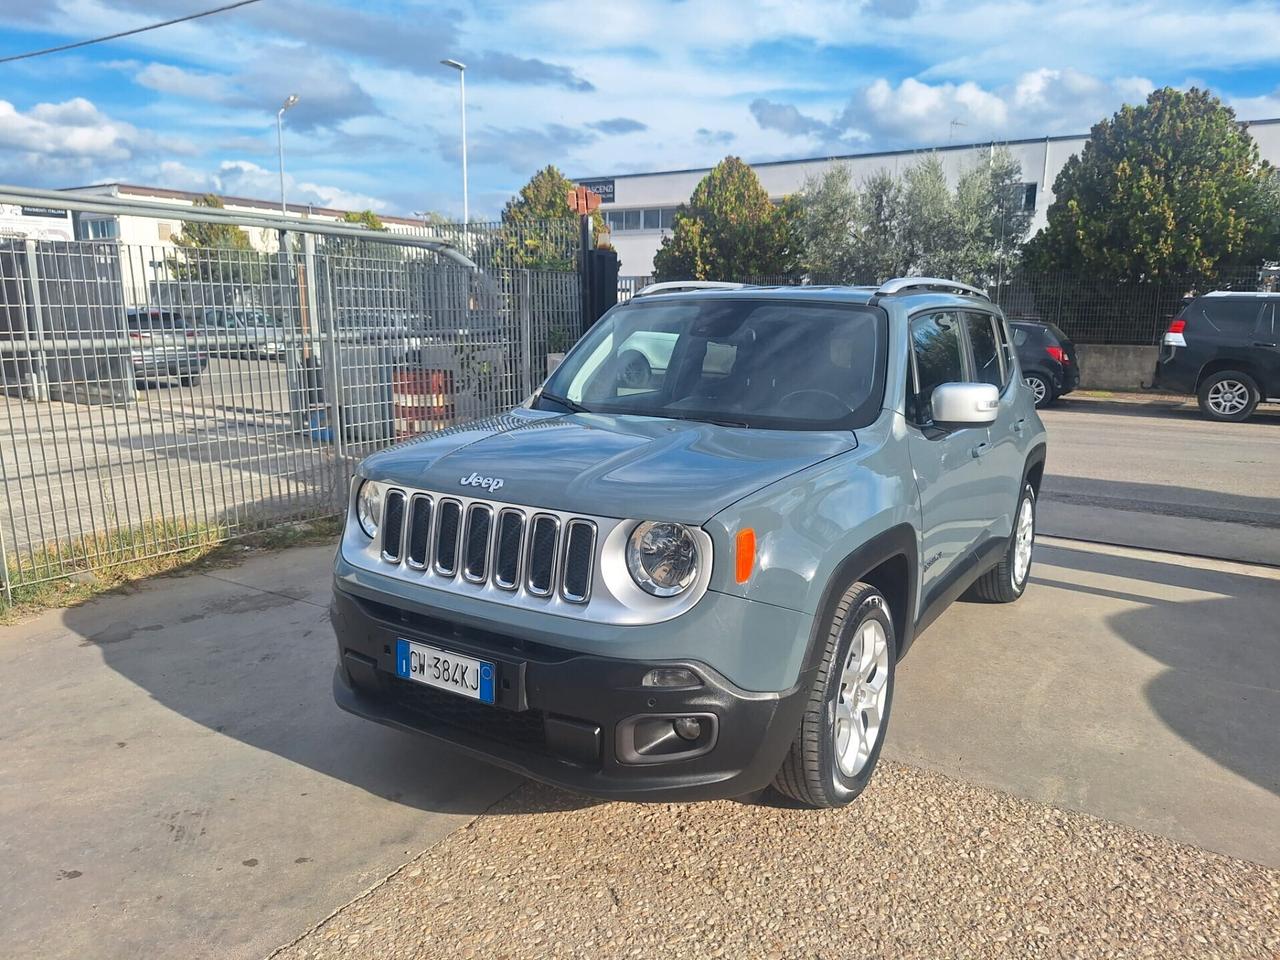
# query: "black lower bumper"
{"type": "Point", "coordinates": [562, 717]}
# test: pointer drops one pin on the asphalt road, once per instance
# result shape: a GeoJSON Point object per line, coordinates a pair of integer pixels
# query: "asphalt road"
{"type": "Point", "coordinates": [1158, 475]}
{"type": "Point", "coordinates": [176, 781]}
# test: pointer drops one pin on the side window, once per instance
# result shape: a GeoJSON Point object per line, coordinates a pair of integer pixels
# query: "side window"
{"type": "Point", "coordinates": [1231, 316]}
{"type": "Point", "coordinates": [1020, 336]}
{"type": "Point", "coordinates": [985, 348]}
{"type": "Point", "coordinates": [935, 348]}
{"type": "Point", "coordinates": [1265, 332]}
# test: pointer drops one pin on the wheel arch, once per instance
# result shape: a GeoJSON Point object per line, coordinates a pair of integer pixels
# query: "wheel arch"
{"type": "Point", "coordinates": [1033, 472]}
{"type": "Point", "coordinates": [889, 562]}
{"type": "Point", "coordinates": [1241, 364]}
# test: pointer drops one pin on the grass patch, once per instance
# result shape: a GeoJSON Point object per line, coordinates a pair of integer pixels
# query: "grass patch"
{"type": "Point", "coordinates": [105, 562]}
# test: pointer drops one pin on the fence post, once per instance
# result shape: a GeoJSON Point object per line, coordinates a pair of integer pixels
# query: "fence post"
{"type": "Point", "coordinates": [38, 369]}
{"type": "Point", "coordinates": [4, 547]}
{"type": "Point", "coordinates": [524, 286]}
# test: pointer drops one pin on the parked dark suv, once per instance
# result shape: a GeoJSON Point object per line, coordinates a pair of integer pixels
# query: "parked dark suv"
{"type": "Point", "coordinates": [1224, 347]}
{"type": "Point", "coordinates": [1047, 358]}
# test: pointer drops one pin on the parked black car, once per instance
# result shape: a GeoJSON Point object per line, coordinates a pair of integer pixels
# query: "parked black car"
{"type": "Point", "coordinates": [1224, 347]}
{"type": "Point", "coordinates": [1047, 358]}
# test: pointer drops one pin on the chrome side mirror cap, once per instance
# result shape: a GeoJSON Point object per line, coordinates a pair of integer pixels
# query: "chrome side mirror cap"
{"type": "Point", "coordinates": [965, 404]}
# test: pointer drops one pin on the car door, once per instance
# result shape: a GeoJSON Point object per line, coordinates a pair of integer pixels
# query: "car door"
{"type": "Point", "coordinates": [1266, 345]}
{"type": "Point", "coordinates": [948, 465]}
{"type": "Point", "coordinates": [991, 361]}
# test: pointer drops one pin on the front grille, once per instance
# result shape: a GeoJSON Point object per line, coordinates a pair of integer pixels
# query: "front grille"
{"type": "Point", "coordinates": [542, 554]}
{"type": "Point", "coordinates": [579, 549]}
{"type": "Point", "coordinates": [393, 525]}
{"type": "Point", "coordinates": [447, 525]}
{"type": "Point", "coordinates": [523, 728]}
{"type": "Point", "coordinates": [476, 563]}
{"type": "Point", "coordinates": [473, 542]}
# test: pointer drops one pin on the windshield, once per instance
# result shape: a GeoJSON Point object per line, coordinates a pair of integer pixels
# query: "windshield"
{"type": "Point", "coordinates": [757, 363]}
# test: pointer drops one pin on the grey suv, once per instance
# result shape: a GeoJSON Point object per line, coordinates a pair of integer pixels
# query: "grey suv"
{"type": "Point", "coordinates": [687, 566]}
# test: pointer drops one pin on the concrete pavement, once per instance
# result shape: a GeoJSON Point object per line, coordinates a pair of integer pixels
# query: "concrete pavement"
{"type": "Point", "coordinates": [174, 779]}
{"type": "Point", "coordinates": [1157, 475]}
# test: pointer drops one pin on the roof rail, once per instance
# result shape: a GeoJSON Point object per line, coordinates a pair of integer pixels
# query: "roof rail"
{"type": "Point", "coordinates": [903, 284]}
{"type": "Point", "coordinates": [686, 286]}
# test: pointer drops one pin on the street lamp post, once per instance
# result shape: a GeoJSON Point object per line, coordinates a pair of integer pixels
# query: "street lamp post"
{"type": "Point", "coordinates": [291, 101]}
{"type": "Point", "coordinates": [462, 91]}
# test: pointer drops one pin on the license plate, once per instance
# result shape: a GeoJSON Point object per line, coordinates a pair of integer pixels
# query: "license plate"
{"type": "Point", "coordinates": [444, 670]}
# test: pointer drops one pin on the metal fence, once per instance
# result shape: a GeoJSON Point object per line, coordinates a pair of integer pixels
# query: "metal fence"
{"type": "Point", "coordinates": [1087, 309]}
{"type": "Point", "coordinates": [155, 398]}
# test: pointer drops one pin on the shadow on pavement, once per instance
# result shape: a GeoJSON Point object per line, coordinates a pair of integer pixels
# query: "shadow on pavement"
{"type": "Point", "coordinates": [257, 667]}
{"type": "Point", "coordinates": [1218, 634]}
{"type": "Point", "coordinates": [1164, 408]}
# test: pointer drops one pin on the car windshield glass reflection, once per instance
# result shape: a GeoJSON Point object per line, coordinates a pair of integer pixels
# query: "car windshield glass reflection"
{"type": "Point", "coordinates": [766, 363]}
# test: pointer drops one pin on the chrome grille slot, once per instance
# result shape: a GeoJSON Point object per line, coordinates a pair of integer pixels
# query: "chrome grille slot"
{"type": "Point", "coordinates": [506, 549]}
{"type": "Point", "coordinates": [448, 530]}
{"type": "Point", "coordinates": [419, 531]}
{"type": "Point", "coordinates": [393, 525]}
{"type": "Point", "coordinates": [475, 561]}
{"type": "Point", "coordinates": [579, 556]}
{"type": "Point", "coordinates": [540, 561]}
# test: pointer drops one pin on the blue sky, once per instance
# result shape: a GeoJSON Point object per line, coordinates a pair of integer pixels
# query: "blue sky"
{"type": "Point", "coordinates": [595, 88]}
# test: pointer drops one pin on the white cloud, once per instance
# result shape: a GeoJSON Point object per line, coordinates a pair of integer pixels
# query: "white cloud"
{"type": "Point", "coordinates": [243, 178]}
{"type": "Point", "coordinates": [74, 128]}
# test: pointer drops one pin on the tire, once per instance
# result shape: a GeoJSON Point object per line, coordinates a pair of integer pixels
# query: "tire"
{"type": "Point", "coordinates": [1007, 580]}
{"type": "Point", "coordinates": [1228, 396]}
{"type": "Point", "coordinates": [813, 772]}
{"type": "Point", "coordinates": [1041, 388]}
{"type": "Point", "coordinates": [190, 380]}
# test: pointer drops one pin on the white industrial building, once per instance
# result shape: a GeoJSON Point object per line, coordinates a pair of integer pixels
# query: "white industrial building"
{"type": "Point", "coordinates": [640, 207]}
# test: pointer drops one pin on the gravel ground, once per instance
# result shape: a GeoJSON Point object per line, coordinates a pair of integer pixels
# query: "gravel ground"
{"type": "Point", "coordinates": [922, 866]}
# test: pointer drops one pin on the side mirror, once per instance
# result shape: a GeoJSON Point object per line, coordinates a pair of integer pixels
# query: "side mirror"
{"type": "Point", "coordinates": [965, 404]}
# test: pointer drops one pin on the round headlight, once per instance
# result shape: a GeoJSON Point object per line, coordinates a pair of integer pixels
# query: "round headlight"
{"type": "Point", "coordinates": [369, 507]}
{"type": "Point", "coordinates": [662, 558]}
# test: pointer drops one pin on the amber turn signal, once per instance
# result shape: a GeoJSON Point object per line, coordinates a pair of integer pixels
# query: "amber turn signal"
{"type": "Point", "coordinates": [746, 557]}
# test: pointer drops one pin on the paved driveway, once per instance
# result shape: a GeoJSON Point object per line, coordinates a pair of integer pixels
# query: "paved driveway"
{"type": "Point", "coordinates": [175, 781]}
{"type": "Point", "coordinates": [1158, 475]}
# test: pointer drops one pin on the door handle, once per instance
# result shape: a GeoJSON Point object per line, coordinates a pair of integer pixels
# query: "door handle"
{"type": "Point", "coordinates": [1259, 343]}
{"type": "Point", "coordinates": [979, 450]}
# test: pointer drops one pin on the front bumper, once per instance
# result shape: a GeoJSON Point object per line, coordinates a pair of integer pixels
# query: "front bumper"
{"type": "Point", "coordinates": [562, 717]}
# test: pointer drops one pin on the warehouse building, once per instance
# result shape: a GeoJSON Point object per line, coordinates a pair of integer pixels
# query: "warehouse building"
{"type": "Point", "coordinates": [640, 207]}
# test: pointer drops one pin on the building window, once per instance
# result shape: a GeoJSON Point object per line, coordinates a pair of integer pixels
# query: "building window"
{"type": "Point", "coordinates": [651, 218]}
{"type": "Point", "coordinates": [1028, 196]}
{"type": "Point", "coordinates": [103, 229]}
{"type": "Point", "coordinates": [164, 231]}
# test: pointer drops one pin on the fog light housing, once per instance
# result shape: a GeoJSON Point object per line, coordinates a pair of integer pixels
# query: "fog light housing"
{"type": "Point", "coordinates": [671, 677]}
{"type": "Point", "coordinates": [687, 728]}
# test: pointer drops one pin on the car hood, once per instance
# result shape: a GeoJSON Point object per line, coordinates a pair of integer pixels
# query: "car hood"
{"type": "Point", "coordinates": [608, 466]}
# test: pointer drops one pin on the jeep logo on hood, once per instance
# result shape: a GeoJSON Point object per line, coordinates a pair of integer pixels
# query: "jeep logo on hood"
{"type": "Point", "coordinates": [492, 484]}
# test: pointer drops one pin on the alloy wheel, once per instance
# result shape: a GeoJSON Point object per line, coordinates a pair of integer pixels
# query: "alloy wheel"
{"type": "Point", "coordinates": [1227, 397]}
{"type": "Point", "coordinates": [1024, 539]}
{"type": "Point", "coordinates": [861, 700]}
{"type": "Point", "coordinates": [1039, 388]}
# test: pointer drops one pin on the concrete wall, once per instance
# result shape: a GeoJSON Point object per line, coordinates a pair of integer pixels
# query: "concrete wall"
{"type": "Point", "coordinates": [1115, 367]}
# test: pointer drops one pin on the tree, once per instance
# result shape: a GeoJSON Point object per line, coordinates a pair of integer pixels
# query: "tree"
{"type": "Point", "coordinates": [364, 218]}
{"type": "Point", "coordinates": [915, 223]}
{"type": "Point", "coordinates": [539, 231]}
{"type": "Point", "coordinates": [1172, 188]}
{"type": "Point", "coordinates": [214, 253]}
{"type": "Point", "coordinates": [729, 230]}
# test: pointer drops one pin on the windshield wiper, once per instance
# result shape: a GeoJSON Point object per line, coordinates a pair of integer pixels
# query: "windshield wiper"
{"type": "Point", "coordinates": [712, 420]}
{"type": "Point", "coordinates": [571, 405]}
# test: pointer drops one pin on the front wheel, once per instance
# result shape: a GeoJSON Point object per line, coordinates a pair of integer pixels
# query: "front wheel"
{"type": "Point", "coordinates": [836, 748]}
{"type": "Point", "coordinates": [1228, 396]}
{"type": "Point", "coordinates": [1005, 582]}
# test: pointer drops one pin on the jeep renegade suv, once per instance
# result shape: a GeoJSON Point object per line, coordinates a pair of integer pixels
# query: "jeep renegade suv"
{"type": "Point", "coordinates": [687, 566]}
